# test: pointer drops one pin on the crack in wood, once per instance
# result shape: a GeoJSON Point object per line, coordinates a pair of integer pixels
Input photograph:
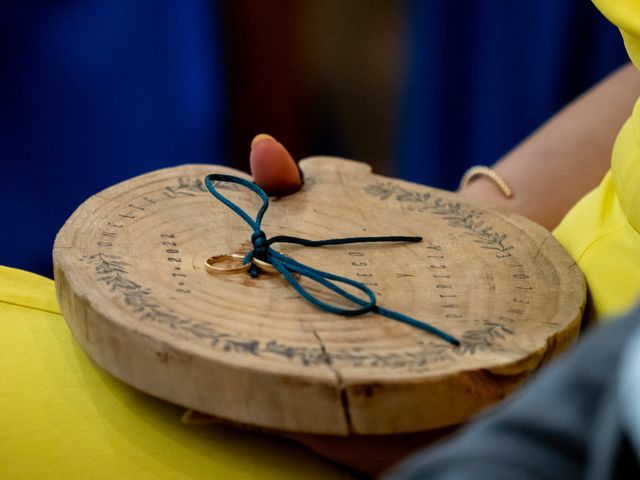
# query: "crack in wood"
{"type": "Point", "coordinates": [344, 398]}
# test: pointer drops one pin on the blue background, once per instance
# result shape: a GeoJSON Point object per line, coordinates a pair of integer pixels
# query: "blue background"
{"type": "Point", "coordinates": [483, 74]}
{"type": "Point", "coordinates": [94, 92]}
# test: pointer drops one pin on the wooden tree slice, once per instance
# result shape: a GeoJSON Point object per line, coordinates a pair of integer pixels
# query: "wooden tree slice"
{"type": "Point", "coordinates": [131, 282]}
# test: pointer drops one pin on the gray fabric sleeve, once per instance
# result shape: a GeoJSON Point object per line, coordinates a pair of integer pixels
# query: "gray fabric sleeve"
{"type": "Point", "coordinates": [561, 425]}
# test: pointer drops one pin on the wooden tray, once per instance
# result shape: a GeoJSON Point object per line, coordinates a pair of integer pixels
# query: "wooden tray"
{"type": "Point", "coordinates": [131, 282]}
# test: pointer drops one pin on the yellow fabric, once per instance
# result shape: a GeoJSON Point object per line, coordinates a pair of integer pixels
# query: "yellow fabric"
{"type": "Point", "coordinates": [602, 231]}
{"type": "Point", "coordinates": [62, 417]}
{"type": "Point", "coordinates": [625, 14]}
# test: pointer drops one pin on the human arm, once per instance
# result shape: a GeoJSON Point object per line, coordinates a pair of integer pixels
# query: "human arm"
{"type": "Point", "coordinates": [566, 157]}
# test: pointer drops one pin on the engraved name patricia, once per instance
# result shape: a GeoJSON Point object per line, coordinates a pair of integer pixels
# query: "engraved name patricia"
{"type": "Point", "coordinates": [443, 283]}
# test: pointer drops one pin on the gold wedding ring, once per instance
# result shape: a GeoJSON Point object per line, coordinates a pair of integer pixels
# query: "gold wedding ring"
{"type": "Point", "coordinates": [262, 265]}
{"type": "Point", "coordinates": [218, 264]}
{"type": "Point", "coordinates": [232, 263]}
{"type": "Point", "coordinates": [228, 264]}
{"type": "Point", "coordinates": [267, 267]}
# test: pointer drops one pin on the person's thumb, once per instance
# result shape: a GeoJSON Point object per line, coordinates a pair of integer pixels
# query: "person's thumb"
{"type": "Point", "coordinates": [272, 167]}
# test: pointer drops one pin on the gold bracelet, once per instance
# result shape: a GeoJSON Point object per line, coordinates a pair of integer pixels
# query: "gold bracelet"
{"type": "Point", "coordinates": [487, 172]}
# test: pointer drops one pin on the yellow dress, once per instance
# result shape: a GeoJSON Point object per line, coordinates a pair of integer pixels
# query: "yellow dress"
{"type": "Point", "coordinates": [602, 231]}
{"type": "Point", "coordinates": [62, 417]}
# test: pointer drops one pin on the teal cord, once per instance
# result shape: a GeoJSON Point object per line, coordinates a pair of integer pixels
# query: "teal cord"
{"type": "Point", "coordinates": [287, 266]}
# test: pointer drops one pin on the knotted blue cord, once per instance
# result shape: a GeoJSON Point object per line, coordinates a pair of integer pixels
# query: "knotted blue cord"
{"type": "Point", "coordinates": [287, 266]}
